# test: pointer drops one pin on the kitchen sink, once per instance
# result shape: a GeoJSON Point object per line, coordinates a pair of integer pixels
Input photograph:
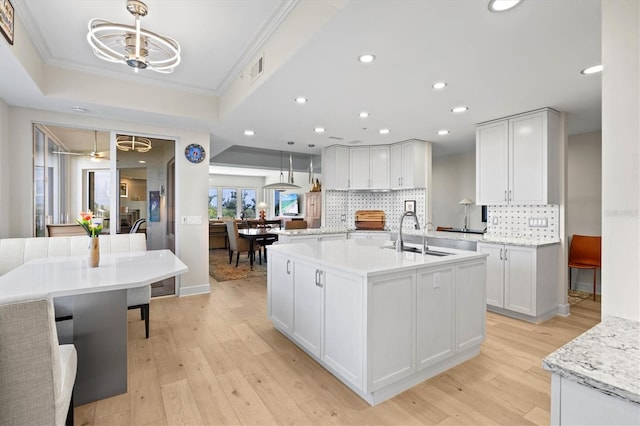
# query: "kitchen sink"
{"type": "Point", "coordinates": [419, 251]}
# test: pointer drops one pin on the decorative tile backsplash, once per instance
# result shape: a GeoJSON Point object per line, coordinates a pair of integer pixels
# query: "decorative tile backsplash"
{"type": "Point", "coordinates": [339, 204]}
{"type": "Point", "coordinates": [524, 222]}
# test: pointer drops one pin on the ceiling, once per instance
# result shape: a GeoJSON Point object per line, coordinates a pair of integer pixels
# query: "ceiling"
{"type": "Point", "coordinates": [496, 64]}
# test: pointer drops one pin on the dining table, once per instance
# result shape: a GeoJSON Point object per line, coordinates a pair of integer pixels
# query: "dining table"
{"type": "Point", "coordinates": [98, 306]}
{"type": "Point", "coordinates": [266, 235]}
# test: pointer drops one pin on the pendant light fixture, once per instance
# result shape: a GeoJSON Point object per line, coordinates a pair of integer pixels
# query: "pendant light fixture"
{"type": "Point", "coordinates": [133, 143]}
{"type": "Point", "coordinates": [132, 45]}
{"type": "Point", "coordinates": [284, 185]}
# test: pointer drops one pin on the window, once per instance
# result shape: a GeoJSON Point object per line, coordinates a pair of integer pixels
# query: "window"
{"type": "Point", "coordinates": [213, 203]}
{"type": "Point", "coordinates": [249, 203]}
{"type": "Point", "coordinates": [224, 203]}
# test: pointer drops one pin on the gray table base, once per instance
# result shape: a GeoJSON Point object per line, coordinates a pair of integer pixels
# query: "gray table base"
{"type": "Point", "coordinates": [99, 332]}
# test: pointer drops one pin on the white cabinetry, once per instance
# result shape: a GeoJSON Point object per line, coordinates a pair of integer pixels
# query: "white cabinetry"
{"type": "Point", "coordinates": [522, 281]}
{"type": "Point", "coordinates": [280, 296]}
{"type": "Point", "coordinates": [516, 159]}
{"type": "Point", "coordinates": [369, 167]}
{"type": "Point", "coordinates": [335, 168]}
{"type": "Point", "coordinates": [407, 165]}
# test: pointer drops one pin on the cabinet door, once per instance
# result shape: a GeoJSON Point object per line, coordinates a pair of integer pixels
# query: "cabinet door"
{"type": "Point", "coordinates": [492, 172]}
{"type": "Point", "coordinates": [335, 166]}
{"type": "Point", "coordinates": [395, 166]}
{"type": "Point", "coordinates": [280, 291]}
{"type": "Point", "coordinates": [391, 350]}
{"type": "Point", "coordinates": [435, 315]}
{"type": "Point", "coordinates": [359, 168]}
{"type": "Point", "coordinates": [527, 159]}
{"type": "Point", "coordinates": [520, 279]}
{"type": "Point", "coordinates": [307, 299]}
{"type": "Point", "coordinates": [313, 208]}
{"type": "Point", "coordinates": [343, 327]}
{"type": "Point", "coordinates": [379, 167]}
{"type": "Point", "coordinates": [470, 307]}
{"type": "Point", "coordinates": [408, 165]}
{"type": "Point", "coordinates": [495, 273]}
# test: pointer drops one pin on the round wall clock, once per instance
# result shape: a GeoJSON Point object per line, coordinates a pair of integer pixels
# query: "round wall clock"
{"type": "Point", "coordinates": [194, 153]}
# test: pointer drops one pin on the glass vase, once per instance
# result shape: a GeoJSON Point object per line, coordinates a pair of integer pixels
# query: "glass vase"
{"type": "Point", "coordinates": [94, 252]}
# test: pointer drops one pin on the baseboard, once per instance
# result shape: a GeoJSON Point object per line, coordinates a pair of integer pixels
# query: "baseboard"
{"type": "Point", "coordinates": [193, 290]}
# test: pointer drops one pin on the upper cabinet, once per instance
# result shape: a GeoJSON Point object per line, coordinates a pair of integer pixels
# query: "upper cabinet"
{"type": "Point", "coordinates": [335, 168]}
{"type": "Point", "coordinates": [402, 165]}
{"type": "Point", "coordinates": [408, 165]}
{"type": "Point", "coordinates": [517, 159]}
{"type": "Point", "coordinates": [369, 167]}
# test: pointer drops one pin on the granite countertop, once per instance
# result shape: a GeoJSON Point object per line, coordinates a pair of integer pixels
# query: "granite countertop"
{"type": "Point", "coordinates": [369, 257]}
{"type": "Point", "coordinates": [310, 231]}
{"type": "Point", "coordinates": [605, 358]}
{"type": "Point", "coordinates": [484, 238]}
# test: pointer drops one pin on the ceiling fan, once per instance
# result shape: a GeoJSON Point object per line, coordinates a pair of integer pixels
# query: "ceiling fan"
{"type": "Point", "coordinates": [93, 154]}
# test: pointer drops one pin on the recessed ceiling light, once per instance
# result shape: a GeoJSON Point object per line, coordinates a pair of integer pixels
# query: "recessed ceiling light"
{"type": "Point", "coordinates": [319, 129]}
{"type": "Point", "coordinates": [290, 142]}
{"type": "Point", "coordinates": [439, 85]}
{"type": "Point", "coordinates": [311, 145]}
{"type": "Point", "coordinates": [79, 109]}
{"type": "Point", "coordinates": [591, 70]}
{"type": "Point", "coordinates": [249, 132]}
{"type": "Point", "coordinates": [459, 109]}
{"type": "Point", "coordinates": [384, 131]}
{"type": "Point", "coordinates": [503, 5]}
{"type": "Point", "coordinates": [443, 132]}
{"type": "Point", "coordinates": [366, 58]}
{"type": "Point", "coordinates": [364, 114]}
{"type": "Point", "coordinates": [142, 162]}
{"type": "Point", "coordinates": [301, 100]}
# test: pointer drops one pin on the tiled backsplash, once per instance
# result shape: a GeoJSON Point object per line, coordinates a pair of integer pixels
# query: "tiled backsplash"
{"type": "Point", "coordinates": [523, 222]}
{"type": "Point", "coordinates": [346, 203]}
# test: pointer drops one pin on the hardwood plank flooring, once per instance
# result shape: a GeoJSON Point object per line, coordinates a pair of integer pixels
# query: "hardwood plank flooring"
{"type": "Point", "coordinates": [216, 359]}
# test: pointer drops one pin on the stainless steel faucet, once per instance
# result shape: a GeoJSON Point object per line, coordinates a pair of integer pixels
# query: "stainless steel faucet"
{"type": "Point", "coordinates": [400, 242]}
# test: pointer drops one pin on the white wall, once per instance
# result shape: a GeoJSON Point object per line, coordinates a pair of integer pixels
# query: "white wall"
{"type": "Point", "coordinates": [620, 159]}
{"type": "Point", "coordinates": [584, 201]}
{"type": "Point", "coordinates": [4, 171]}
{"type": "Point", "coordinates": [191, 183]}
{"type": "Point", "coordinates": [454, 178]}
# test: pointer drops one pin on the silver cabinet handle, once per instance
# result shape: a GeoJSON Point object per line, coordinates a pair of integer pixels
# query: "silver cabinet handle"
{"type": "Point", "coordinates": [318, 278]}
{"type": "Point", "coordinates": [505, 195]}
{"type": "Point", "coordinates": [505, 254]}
{"type": "Point", "coordinates": [510, 196]}
{"type": "Point", "coordinates": [288, 265]}
{"type": "Point", "coordinates": [500, 254]}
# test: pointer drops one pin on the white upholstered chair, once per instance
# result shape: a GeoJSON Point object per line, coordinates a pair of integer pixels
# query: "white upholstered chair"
{"type": "Point", "coordinates": [36, 373]}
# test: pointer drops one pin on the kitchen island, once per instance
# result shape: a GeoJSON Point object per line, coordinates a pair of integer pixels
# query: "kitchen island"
{"type": "Point", "coordinates": [381, 321]}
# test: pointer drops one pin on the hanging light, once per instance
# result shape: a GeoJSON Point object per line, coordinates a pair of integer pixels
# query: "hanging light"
{"type": "Point", "coordinates": [133, 45]}
{"type": "Point", "coordinates": [133, 143]}
{"type": "Point", "coordinates": [284, 185]}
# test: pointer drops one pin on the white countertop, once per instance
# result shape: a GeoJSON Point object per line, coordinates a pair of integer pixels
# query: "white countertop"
{"type": "Point", "coordinates": [368, 257]}
{"type": "Point", "coordinates": [605, 358]}
{"type": "Point", "coordinates": [70, 275]}
{"type": "Point", "coordinates": [483, 238]}
{"type": "Point", "coordinates": [310, 231]}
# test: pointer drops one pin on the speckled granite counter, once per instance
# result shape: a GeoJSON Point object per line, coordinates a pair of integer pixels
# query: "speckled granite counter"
{"type": "Point", "coordinates": [605, 358]}
{"type": "Point", "coordinates": [485, 238]}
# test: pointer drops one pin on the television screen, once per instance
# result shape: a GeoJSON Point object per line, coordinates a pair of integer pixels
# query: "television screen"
{"type": "Point", "coordinates": [289, 204]}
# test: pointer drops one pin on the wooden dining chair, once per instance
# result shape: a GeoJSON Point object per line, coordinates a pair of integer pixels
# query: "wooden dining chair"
{"type": "Point", "coordinates": [65, 230]}
{"type": "Point", "coordinates": [585, 252]}
{"type": "Point", "coordinates": [239, 245]}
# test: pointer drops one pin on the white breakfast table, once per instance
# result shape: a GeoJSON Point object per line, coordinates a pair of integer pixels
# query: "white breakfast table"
{"type": "Point", "coordinates": [99, 308]}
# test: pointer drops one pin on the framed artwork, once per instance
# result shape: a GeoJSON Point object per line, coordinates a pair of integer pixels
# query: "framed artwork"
{"type": "Point", "coordinates": [124, 190]}
{"type": "Point", "coordinates": [154, 206]}
{"type": "Point", "coordinates": [410, 206]}
{"type": "Point", "coordinates": [6, 20]}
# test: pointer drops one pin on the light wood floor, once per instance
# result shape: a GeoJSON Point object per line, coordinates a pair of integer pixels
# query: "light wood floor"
{"type": "Point", "coordinates": [216, 359]}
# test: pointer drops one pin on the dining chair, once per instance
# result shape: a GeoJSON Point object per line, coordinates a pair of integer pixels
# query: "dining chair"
{"type": "Point", "coordinates": [239, 245]}
{"type": "Point", "coordinates": [136, 226]}
{"type": "Point", "coordinates": [37, 374]}
{"type": "Point", "coordinates": [65, 229]}
{"type": "Point", "coordinates": [295, 224]}
{"type": "Point", "coordinates": [585, 252]}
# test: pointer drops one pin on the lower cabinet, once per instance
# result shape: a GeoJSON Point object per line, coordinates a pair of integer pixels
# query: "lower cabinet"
{"type": "Point", "coordinates": [522, 280]}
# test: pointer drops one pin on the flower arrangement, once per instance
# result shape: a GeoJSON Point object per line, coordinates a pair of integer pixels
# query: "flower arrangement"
{"type": "Point", "coordinates": [92, 228]}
